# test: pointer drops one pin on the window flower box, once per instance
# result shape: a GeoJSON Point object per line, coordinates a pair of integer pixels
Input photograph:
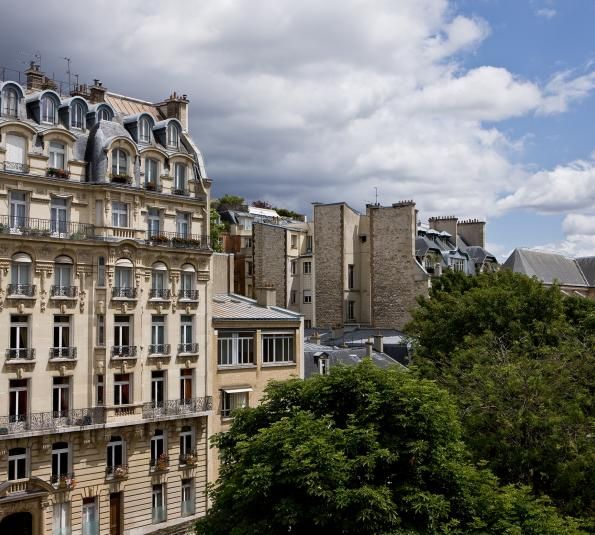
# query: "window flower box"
{"type": "Point", "coordinates": [121, 178]}
{"type": "Point", "coordinates": [58, 173]}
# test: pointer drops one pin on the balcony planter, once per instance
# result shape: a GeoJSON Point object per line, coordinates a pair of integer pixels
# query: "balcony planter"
{"type": "Point", "coordinates": [151, 186]}
{"type": "Point", "coordinates": [162, 462]}
{"type": "Point", "coordinates": [160, 239]}
{"type": "Point", "coordinates": [121, 179]}
{"type": "Point", "coordinates": [66, 483]}
{"type": "Point", "coordinates": [121, 471]}
{"type": "Point", "coordinates": [58, 173]}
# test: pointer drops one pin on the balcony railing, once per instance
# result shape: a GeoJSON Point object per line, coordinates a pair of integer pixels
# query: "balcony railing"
{"type": "Point", "coordinates": [63, 291]}
{"type": "Point", "coordinates": [116, 471]}
{"type": "Point", "coordinates": [189, 295]}
{"type": "Point", "coordinates": [123, 351]}
{"type": "Point", "coordinates": [57, 173]}
{"type": "Point", "coordinates": [159, 349]}
{"type": "Point", "coordinates": [179, 240]}
{"type": "Point", "coordinates": [21, 353]}
{"type": "Point", "coordinates": [158, 409]}
{"type": "Point", "coordinates": [188, 348]}
{"type": "Point", "coordinates": [161, 463]}
{"type": "Point", "coordinates": [24, 290]}
{"type": "Point", "coordinates": [159, 293]}
{"type": "Point", "coordinates": [152, 186]}
{"type": "Point", "coordinates": [63, 353]}
{"type": "Point", "coordinates": [181, 191]}
{"type": "Point", "coordinates": [63, 481]}
{"type": "Point", "coordinates": [39, 421]}
{"type": "Point", "coordinates": [124, 292]}
{"type": "Point", "coordinates": [120, 178]}
{"type": "Point", "coordinates": [16, 167]}
{"type": "Point", "coordinates": [45, 228]}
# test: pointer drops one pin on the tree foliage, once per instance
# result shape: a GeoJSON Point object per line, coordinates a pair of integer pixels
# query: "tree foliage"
{"type": "Point", "coordinates": [216, 228]}
{"type": "Point", "coordinates": [519, 359]}
{"type": "Point", "coordinates": [361, 451]}
{"type": "Point", "coordinates": [230, 202]}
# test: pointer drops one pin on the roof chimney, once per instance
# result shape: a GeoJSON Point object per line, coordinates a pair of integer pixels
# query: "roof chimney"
{"type": "Point", "coordinates": [266, 296]}
{"type": "Point", "coordinates": [379, 343]}
{"type": "Point", "coordinates": [176, 107]}
{"type": "Point", "coordinates": [369, 348]}
{"type": "Point", "coordinates": [473, 232]}
{"type": "Point", "coordinates": [97, 92]}
{"type": "Point", "coordinates": [34, 77]}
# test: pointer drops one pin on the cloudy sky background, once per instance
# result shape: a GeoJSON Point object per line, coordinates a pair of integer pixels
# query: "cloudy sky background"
{"type": "Point", "coordinates": [478, 108]}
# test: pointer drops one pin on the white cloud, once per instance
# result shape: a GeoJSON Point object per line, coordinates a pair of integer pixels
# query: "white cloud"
{"type": "Point", "coordinates": [546, 13]}
{"type": "Point", "coordinates": [564, 89]}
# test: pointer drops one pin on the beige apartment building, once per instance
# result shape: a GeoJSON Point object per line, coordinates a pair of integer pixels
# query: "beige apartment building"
{"type": "Point", "coordinates": [104, 313]}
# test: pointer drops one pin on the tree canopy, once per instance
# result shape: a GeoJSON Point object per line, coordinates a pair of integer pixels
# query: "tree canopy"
{"type": "Point", "coordinates": [362, 450]}
{"type": "Point", "coordinates": [519, 360]}
{"type": "Point", "coordinates": [229, 202]}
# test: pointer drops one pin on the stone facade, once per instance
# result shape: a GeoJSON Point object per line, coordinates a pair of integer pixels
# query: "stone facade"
{"type": "Point", "coordinates": [270, 259]}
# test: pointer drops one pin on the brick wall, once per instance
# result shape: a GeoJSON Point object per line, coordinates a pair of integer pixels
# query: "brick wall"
{"type": "Point", "coordinates": [270, 263]}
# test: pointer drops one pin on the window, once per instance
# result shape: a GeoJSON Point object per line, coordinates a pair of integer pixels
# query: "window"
{"type": "Point", "coordinates": [101, 271]}
{"type": "Point", "coordinates": [158, 502]}
{"type": "Point", "coordinates": [18, 394]}
{"type": "Point", "coordinates": [183, 224]}
{"type": "Point", "coordinates": [233, 399]}
{"type": "Point", "coordinates": [350, 310]}
{"type": "Point", "coordinates": [247, 242]}
{"type": "Point", "coordinates": [249, 268]}
{"type": "Point", "coordinates": [10, 102]}
{"type": "Point", "coordinates": [61, 396]}
{"type": "Point", "coordinates": [187, 497]}
{"type": "Point", "coordinates": [157, 387]}
{"type": "Point", "coordinates": [90, 518]}
{"type": "Point", "coordinates": [307, 296]}
{"type": "Point", "coordinates": [159, 281]}
{"type": "Point", "coordinates": [21, 276]}
{"type": "Point", "coordinates": [119, 162]}
{"type": "Point", "coordinates": [187, 282]}
{"type": "Point", "coordinates": [293, 297]}
{"type": "Point", "coordinates": [122, 335]}
{"type": "Point", "coordinates": [307, 324]}
{"type": "Point", "coordinates": [48, 110]}
{"type": "Point", "coordinates": [153, 221]}
{"type": "Point", "coordinates": [323, 364]}
{"type": "Point", "coordinates": [61, 347]}
{"type": "Point", "coordinates": [104, 114]}
{"type": "Point", "coordinates": [157, 334]}
{"type": "Point", "coordinates": [309, 244]}
{"type": "Point", "coordinates": [62, 276]}
{"type": "Point", "coordinates": [16, 150]}
{"type": "Point", "coordinates": [122, 390]}
{"type": "Point", "coordinates": [123, 286]}
{"type": "Point", "coordinates": [157, 446]}
{"type": "Point", "coordinates": [144, 130]}
{"type": "Point", "coordinates": [458, 264]}
{"type": "Point", "coordinates": [173, 136]}
{"type": "Point", "coordinates": [60, 461]}
{"type": "Point", "coordinates": [277, 347]}
{"type": "Point", "coordinates": [17, 464]}
{"type": "Point", "coordinates": [350, 276]}
{"type": "Point", "coordinates": [186, 340]}
{"type": "Point", "coordinates": [19, 337]}
{"type": "Point", "coordinates": [57, 155]}
{"type": "Point", "coordinates": [18, 209]}
{"type": "Point", "coordinates": [235, 348]}
{"type": "Point", "coordinates": [119, 214]}
{"type": "Point", "coordinates": [61, 518]}
{"type": "Point", "coordinates": [59, 216]}
{"type": "Point", "coordinates": [293, 241]}
{"type": "Point", "coordinates": [186, 380]}
{"type": "Point", "coordinates": [115, 454]}
{"type": "Point", "coordinates": [186, 443]}
{"type": "Point", "coordinates": [307, 268]}
{"type": "Point", "coordinates": [77, 115]}
{"type": "Point", "coordinates": [100, 390]}
{"type": "Point", "coordinates": [180, 179]}
{"type": "Point", "coordinates": [151, 173]}
{"type": "Point", "coordinates": [100, 330]}
{"type": "Point", "coordinates": [294, 267]}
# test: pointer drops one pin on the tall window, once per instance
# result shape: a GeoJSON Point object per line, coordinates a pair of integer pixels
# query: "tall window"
{"type": "Point", "coordinates": [123, 283]}
{"type": "Point", "coordinates": [151, 172]}
{"type": "Point", "coordinates": [350, 310]}
{"type": "Point", "coordinates": [235, 348]}
{"type": "Point", "coordinates": [77, 117]}
{"type": "Point", "coordinates": [119, 214]}
{"type": "Point", "coordinates": [234, 399]}
{"type": "Point", "coordinates": [100, 390]}
{"type": "Point", "coordinates": [122, 335]}
{"type": "Point", "coordinates": [158, 503]}
{"type": "Point", "coordinates": [159, 280]}
{"type": "Point", "coordinates": [60, 461]}
{"type": "Point", "coordinates": [59, 215]}
{"type": "Point", "coordinates": [350, 276]}
{"type": "Point", "coordinates": [90, 516]}
{"type": "Point", "coordinates": [19, 336]}
{"type": "Point", "coordinates": [20, 276]}
{"type": "Point", "coordinates": [100, 330]}
{"type": "Point", "coordinates": [119, 162]}
{"type": "Point", "coordinates": [61, 348]}
{"type": "Point", "coordinates": [157, 334]}
{"type": "Point", "coordinates": [48, 110]}
{"type": "Point", "coordinates": [278, 347]}
{"type": "Point", "coordinates": [307, 296]}
{"type": "Point", "coordinates": [186, 442]}
{"type": "Point", "coordinates": [144, 131]}
{"type": "Point", "coordinates": [293, 241]}
{"type": "Point", "coordinates": [183, 224]}
{"type": "Point", "coordinates": [122, 394]}
{"type": "Point", "coordinates": [173, 136]}
{"type": "Point", "coordinates": [187, 497]}
{"type": "Point", "coordinates": [157, 446]}
{"type": "Point", "coordinates": [61, 518]}
{"type": "Point", "coordinates": [17, 464]}
{"type": "Point", "coordinates": [293, 297]}
{"type": "Point", "coordinates": [18, 209]}
{"type": "Point", "coordinates": [186, 338]}
{"type": "Point", "coordinates": [10, 102]}
{"type": "Point", "coordinates": [309, 244]}
{"type": "Point", "coordinates": [153, 221]}
{"type": "Point", "coordinates": [62, 275]}
{"type": "Point", "coordinates": [293, 267]}
{"type": "Point", "coordinates": [101, 271]}
{"type": "Point", "coordinates": [18, 394]}
{"type": "Point", "coordinates": [458, 264]}
{"type": "Point", "coordinates": [115, 453]}
{"type": "Point", "coordinates": [61, 396]}
{"type": "Point", "coordinates": [186, 379]}
{"type": "Point", "coordinates": [16, 151]}
{"type": "Point", "coordinates": [187, 282]}
{"type": "Point", "coordinates": [180, 178]}
{"type": "Point", "coordinates": [307, 268]}
{"type": "Point", "coordinates": [158, 387]}
{"type": "Point", "coordinates": [57, 155]}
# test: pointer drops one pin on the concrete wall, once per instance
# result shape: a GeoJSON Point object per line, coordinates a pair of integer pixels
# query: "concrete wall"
{"type": "Point", "coordinates": [222, 268]}
{"type": "Point", "coordinates": [270, 259]}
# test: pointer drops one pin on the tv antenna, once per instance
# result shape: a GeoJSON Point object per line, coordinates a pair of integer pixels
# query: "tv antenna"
{"type": "Point", "coordinates": [376, 191]}
{"type": "Point", "coordinates": [68, 71]}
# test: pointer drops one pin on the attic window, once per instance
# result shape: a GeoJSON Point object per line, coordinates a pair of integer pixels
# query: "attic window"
{"type": "Point", "coordinates": [77, 116]}
{"type": "Point", "coordinates": [104, 114]}
{"type": "Point", "coordinates": [144, 131]}
{"type": "Point", "coordinates": [10, 102]}
{"type": "Point", "coordinates": [173, 136]}
{"type": "Point", "coordinates": [48, 110]}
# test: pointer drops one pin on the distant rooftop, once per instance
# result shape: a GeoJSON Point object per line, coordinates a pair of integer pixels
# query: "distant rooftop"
{"type": "Point", "coordinates": [238, 307]}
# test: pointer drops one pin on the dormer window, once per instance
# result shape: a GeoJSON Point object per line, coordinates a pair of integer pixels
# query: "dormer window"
{"type": "Point", "coordinates": [104, 114]}
{"type": "Point", "coordinates": [144, 131]}
{"type": "Point", "coordinates": [57, 155]}
{"type": "Point", "coordinates": [10, 102]}
{"type": "Point", "coordinates": [48, 110]}
{"type": "Point", "coordinates": [77, 116]}
{"type": "Point", "coordinates": [173, 136]}
{"type": "Point", "coordinates": [119, 163]}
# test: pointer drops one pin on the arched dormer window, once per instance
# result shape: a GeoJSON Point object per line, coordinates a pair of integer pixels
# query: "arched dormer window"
{"type": "Point", "coordinates": [77, 115]}
{"type": "Point", "coordinates": [10, 102]}
{"type": "Point", "coordinates": [173, 136]}
{"type": "Point", "coordinates": [48, 110]}
{"type": "Point", "coordinates": [119, 163]}
{"type": "Point", "coordinates": [104, 114]}
{"type": "Point", "coordinates": [144, 130]}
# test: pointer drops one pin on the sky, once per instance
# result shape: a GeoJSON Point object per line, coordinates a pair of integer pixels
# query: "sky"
{"type": "Point", "coordinates": [475, 108]}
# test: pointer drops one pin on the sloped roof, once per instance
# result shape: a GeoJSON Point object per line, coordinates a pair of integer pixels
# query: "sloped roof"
{"type": "Point", "coordinates": [587, 266]}
{"type": "Point", "coordinates": [547, 267]}
{"type": "Point", "coordinates": [130, 106]}
{"type": "Point", "coordinates": [237, 307]}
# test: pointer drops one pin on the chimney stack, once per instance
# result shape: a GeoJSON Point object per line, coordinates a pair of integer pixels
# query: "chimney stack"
{"type": "Point", "coordinates": [473, 232]}
{"type": "Point", "coordinates": [379, 343]}
{"type": "Point", "coordinates": [34, 77]}
{"type": "Point", "coordinates": [266, 296]}
{"type": "Point", "coordinates": [369, 347]}
{"type": "Point", "coordinates": [97, 92]}
{"type": "Point", "coordinates": [176, 107]}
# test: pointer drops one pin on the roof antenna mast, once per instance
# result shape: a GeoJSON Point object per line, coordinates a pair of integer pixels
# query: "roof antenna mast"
{"type": "Point", "coordinates": [68, 72]}
{"type": "Point", "coordinates": [376, 190]}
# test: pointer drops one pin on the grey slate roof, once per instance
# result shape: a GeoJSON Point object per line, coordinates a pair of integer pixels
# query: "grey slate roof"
{"type": "Point", "coordinates": [547, 267]}
{"type": "Point", "coordinates": [587, 266]}
{"type": "Point", "coordinates": [238, 307]}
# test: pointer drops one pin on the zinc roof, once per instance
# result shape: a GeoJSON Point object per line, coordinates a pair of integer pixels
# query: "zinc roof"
{"type": "Point", "coordinates": [237, 307]}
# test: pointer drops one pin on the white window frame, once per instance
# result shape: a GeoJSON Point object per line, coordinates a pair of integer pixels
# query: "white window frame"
{"type": "Point", "coordinates": [18, 326]}
{"type": "Point", "coordinates": [186, 378]}
{"type": "Point", "coordinates": [77, 117]}
{"type": "Point", "coordinates": [18, 460]}
{"type": "Point", "coordinates": [119, 385]}
{"type": "Point", "coordinates": [307, 296]}
{"type": "Point", "coordinates": [47, 110]}
{"type": "Point", "coordinates": [144, 130]}
{"type": "Point", "coordinates": [59, 410]}
{"type": "Point", "coordinates": [273, 353]}
{"type": "Point", "coordinates": [187, 497]}
{"type": "Point", "coordinates": [120, 162]}
{"type": "Point", "coordinates": [59, 454]}
{"type": "Point", "coordinates": [180, 178]}
{"type": "Point", "coordinates": [173, 136]}
{"type": "Point", "coordinates": [10, 102]}
{"type": "Point", "coordinates": [90, 517]}
{"type": "Point", "coordinates": [14, 391]}
{"type": "Point", "coordinates": [154, 221]}
{"type": "Point", "coordinates": [18, 209]}
{"type": "Point", "coordinates": [238, 348]}
{"type": "Point", "coordinates": [234, 398]}
{"type": "Point", "coordinates": [61, 521]}
{"type": "Point", "coordinates": [104, 115]}
{"type": "Point", "coordinates": [158, 503]}
{"type": "Point", "coordinates": [151, 171]}
{"type": "Point", "coordinates": [186, 329]}
{"type": "Point", "coordinates": [120, 214]}
{"type": "Point", "coordinates": [57, 155]}
{"type": "Point", "coordinates": [307, 268]}
{"type": "Point", "coordinates": [158, 387]}
{"type": "Point", "coordinates": [158, 444]}
{"type": "Point", "coordinates": [112, 450]}
{"type": "Point", "coordinates": [183, 224]}
{"type": "Point", "coordinates": [59, 216]}
{"type": "Point", "coordinates": [63, 330]}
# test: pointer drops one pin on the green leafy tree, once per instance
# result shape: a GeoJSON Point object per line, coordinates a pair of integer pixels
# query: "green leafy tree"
{"type": "Point", "coordinates": [361, 451]}
{"type": "Point", "coordinates": [519, 359]}
{"type": "Point", "coordinates": [229, 202]}
{"type": "Point", "coordinates": [216, 230]}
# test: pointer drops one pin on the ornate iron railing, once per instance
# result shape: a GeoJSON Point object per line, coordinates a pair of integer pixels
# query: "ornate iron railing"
{"type": "Point", "coordinates": [36, 421]}
{"type": "Point", "coordinates": [179, 240]}
{"type": "Point", "coordinates": [159, 293]}
{"type": "Point", "coordinates": [63, 291]}
{"type": "Point", "coordinates": [118, 470]}
{"type": "Point", "coordinates": [180, 191]}
{"type": "Point", "coordinates": [26, 290]}
{"type": "Point", "coordinates": [120, 291]}
{"type": "Point", "coordinates": [191, 295]}
{"type": "Point", "coordinates": [123, 351]}
{"type": "Point", "coordinates": [16, 167]}
{"type": "Point", "coordinates": [159, 349]}
{"type": "Point", "coordinates": [157, 409]}
{"type": "Point", "coordinates": [45, 228]}
{"type": "Point", "coordinates": [21, 353]}
{"type": "Point", "coordinates": [63, 353]}
{"type": "Point", "coordinates": [188, 348]}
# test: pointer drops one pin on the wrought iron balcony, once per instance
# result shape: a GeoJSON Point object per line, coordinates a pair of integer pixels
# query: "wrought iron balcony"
{"type": "Point", "coordinates": [63, 291]}
{"type": "Point", "coordinates": [159, 349]}
{"type": "Point", "coordinates": [123, 351]}
{"type": "Point", "coordinates": [21, 353]}
{"type": "Point", "coordinates": [121, 178]}
{"type": "Point", "coordinates": [45, 228]}
{"type": "Point", "coordinates": [116, 471]}
{"type": "Point", "coordinates": [161, 463]}
{"type": "Point", "coordinates": [16, 167]}
{"type": "Point", "coordinates": [188, 295]}
{"type": "Point", "coordinates": [39, 421]}
{"type": "Point", "coordinates": [188, 348]}
{"type": "Point", "coordinates": [179, 240]}
{"type": "Point", "coordinates": [63, 353]}
{"type": "Point", "coordinates": [57, 173]}
{"type": "Point", "coordinates": [124, 292]}
{"type": "Point", "coordinates": [181, 191]}
{"type": "Point", "coordinates": [159, 293]}
{"type": "Point", "coordinates": [24, 290]}
{"type": "Point", "coordinates": [158, 409]}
